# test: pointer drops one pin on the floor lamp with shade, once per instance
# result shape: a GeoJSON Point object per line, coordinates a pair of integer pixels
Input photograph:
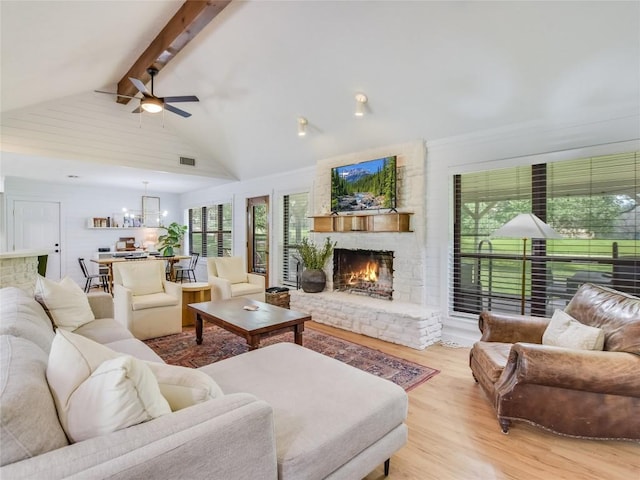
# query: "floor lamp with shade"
{"type": "Point", "coordinates": [525, 226]}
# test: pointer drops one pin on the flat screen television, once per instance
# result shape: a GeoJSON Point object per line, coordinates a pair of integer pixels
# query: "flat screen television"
{"type": "Point", "coordinates": [369, 185]}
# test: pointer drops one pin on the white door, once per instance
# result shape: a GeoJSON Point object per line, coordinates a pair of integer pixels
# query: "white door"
{"type": "Point", "coordinates": [36, 225]}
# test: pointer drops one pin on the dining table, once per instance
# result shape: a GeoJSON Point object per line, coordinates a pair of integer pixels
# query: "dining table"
{"type": "Point", "coordinates": [108, 262]}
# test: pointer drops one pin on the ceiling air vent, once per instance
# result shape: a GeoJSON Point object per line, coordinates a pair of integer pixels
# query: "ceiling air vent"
{"type": "Point", "coordinates": [188, 161]}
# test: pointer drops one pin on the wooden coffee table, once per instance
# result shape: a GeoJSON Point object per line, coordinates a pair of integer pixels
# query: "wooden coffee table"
{"type": "Point", "coordinates": [252, 325]}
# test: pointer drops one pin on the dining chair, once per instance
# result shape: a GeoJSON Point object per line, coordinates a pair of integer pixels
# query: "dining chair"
{"type": "Point", "coordinates": [102, 277]}
{"type": "Point", "coordinates": [189, 269]}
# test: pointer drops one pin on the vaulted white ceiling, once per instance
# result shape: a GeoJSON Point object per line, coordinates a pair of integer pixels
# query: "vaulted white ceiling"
{"type": "Point", "coordinates": [431, 70]}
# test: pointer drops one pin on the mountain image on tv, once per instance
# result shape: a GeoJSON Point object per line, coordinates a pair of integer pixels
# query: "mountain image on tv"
{"type": "Point", "coordinates": [364, 186]}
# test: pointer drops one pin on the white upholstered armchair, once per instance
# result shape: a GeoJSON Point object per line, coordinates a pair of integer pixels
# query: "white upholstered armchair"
{"type": "Point", "coordinates": [144, 301]}
{"type": "Point", "coordinates": [228, 278]}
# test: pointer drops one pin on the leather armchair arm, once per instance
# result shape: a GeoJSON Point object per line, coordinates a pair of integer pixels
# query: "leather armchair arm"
{"type": "Point", "coordinates": [613, 373]}
{"type": "Point", "coordinates": [220, 288]}
{"type": "Point", "coordinates": [511, 328]}
{"type": "Point", "coordinates": [254, 279]}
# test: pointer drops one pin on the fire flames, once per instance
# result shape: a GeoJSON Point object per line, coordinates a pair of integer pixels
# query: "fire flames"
{"type": "Point", "coordinates": [367, 274]}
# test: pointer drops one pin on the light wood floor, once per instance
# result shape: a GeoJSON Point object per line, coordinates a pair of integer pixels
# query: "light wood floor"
{"type": "Point", "coordinates": [454, 434]}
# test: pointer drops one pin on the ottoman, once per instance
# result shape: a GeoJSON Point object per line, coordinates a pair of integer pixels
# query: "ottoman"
{"type": "Point", "coordinates": [331, 420]}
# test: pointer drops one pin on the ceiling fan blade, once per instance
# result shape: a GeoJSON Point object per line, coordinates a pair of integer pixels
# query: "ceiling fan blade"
{"type": "Point", "coordinates": [137, 110]}
{"type": "Point", "coordinates": [113, 93]}
{"type": "Point", "coordinates": [184, 98]}
{"type": "Point", "coordinates": [173, 109]}
{"type": "Point", "coordinates": [140, 86]}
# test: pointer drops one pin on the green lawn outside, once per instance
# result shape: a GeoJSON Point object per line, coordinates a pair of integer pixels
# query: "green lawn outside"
{"type": "Point", "coordinates": [509, 271]}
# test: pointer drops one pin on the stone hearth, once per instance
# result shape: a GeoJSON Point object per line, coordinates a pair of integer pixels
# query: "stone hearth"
{"type": "Point", "coordinates": [396, 322]}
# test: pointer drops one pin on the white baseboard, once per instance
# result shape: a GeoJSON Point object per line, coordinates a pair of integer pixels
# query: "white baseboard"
{"type": "Point", "coordinates": [460, 331]}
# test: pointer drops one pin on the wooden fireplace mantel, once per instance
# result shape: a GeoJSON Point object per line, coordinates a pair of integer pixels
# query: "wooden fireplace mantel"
{"type": "Point", "coordinates": [363, 222]}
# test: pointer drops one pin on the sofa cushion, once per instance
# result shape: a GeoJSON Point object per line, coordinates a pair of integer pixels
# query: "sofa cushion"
{"type": "Point", "coordinates": [97, 390]}
{"type": "Point", "coordinates": [492, 357]}
{"type": "Point", "coordinates": [66, 302]}
{"type": "Point", "coordinates": [21, 316]}
{"type": "Point", "coordinates": [565, 331]}
{"type": "Point", "coordinates": [326, 412]}
{"type": "Point", "coordinates": [183, 387]}
{"type": "Point", "coordinates": [617, 313]}
{"type": "Point", "coordinates": [104, 330]}
{"type": "Point", "coordinates": [101, 304]}
{"type": "Point", "coordinates": [142, 277]}
{"type": "Point", "coordinates": [231, 268]}
{"type": "Point", "coordinates": [29, 424]}
{"type": "Point", "coordinates": [135, 348]}
{"type": "Point", "coordinates": [153, 300]}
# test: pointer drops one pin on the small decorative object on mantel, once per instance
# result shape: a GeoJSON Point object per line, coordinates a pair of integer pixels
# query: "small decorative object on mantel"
{"type": "Point", "coordinates": [314, 258]}
{"type": "Point", "coordinates": [171, 240]}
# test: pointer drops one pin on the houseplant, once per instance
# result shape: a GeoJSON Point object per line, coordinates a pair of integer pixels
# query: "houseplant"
{"type": "Point", "coordinates": [172, 239]}
{"type": "Point", "coordinates": [314, 258]}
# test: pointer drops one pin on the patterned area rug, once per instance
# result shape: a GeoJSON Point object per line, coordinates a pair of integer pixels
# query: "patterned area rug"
{"type": "Point", "coordinates": [218, 344]}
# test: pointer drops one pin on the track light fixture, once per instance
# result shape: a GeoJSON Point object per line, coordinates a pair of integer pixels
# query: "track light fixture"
{"type": "Point", "coordinates": [361, 99]}
{"type": "Point", "coordinates": [302, 126]}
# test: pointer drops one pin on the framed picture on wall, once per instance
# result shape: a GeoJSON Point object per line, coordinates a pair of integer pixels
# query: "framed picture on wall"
{"type": "Point", "coordinates": [151, 211]}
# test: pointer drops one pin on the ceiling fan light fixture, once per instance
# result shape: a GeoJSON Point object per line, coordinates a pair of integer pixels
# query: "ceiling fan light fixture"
{"type": "Point", "coordinates": [151, 105]}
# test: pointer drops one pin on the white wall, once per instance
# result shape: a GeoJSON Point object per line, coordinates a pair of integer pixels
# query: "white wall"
{"type": "Point", "coordinates": [275, 186]}
{"type": "Point", "coordinates": [535, 142]}
{"type": "Point", "coordinates": [522, 144]}
{"type": "Point", "coordinates": [77, 205]}
{"type": "Point", "coordinates": [516, 145]}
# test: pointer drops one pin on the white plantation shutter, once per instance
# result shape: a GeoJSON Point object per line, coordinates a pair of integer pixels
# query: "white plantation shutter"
{"type": "Point", "coordinates": [296, 227]}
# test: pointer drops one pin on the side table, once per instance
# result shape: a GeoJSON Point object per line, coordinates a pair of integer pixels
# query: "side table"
{"type": "Point", "coordinates": [194, 292]}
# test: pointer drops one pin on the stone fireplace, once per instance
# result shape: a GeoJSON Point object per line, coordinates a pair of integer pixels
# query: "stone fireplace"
{"type": "Point", "coordinates": [365, 308]}
{"type": "Point", "coordinates": [363, 272]}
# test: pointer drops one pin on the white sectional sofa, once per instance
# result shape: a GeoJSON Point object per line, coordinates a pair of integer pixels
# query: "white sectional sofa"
{"type": "Point", "coordinates": [287, 412]}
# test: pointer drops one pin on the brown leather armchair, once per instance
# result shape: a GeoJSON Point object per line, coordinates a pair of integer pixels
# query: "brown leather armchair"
{"type": "Point", "coordinates": [583, 393]}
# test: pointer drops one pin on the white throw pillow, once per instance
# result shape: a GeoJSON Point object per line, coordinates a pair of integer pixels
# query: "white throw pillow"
{"type": "Point", "coordinates": [232, 269]}
{"type": "Point", "coordinates": [142, 277]}
{"type": "Point", "coordinates": [97, 390]}
{"type": "Point", "coordinates": [565, 331]}
{"type": "Point", "coordinates": [68, 305]}
{"type": "Point", "coordinates": [183, 387]}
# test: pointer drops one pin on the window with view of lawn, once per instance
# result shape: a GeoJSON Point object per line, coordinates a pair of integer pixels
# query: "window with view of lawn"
{"type": "Point", "coordinates": [593, 203]}
{"type": "Point", "coordinates": [210, 230]}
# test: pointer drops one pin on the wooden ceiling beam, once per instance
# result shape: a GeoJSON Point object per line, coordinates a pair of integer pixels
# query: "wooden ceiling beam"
{"type": "Point", "coordinates": [183, 27]}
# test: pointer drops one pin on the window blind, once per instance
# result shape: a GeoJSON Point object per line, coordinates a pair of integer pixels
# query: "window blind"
{"type": "Point", "coordinates": [296, 227]}
{"type": "Point", "coordinates": [593, 203]}
{"type": "Point", "coordinates": [210, 230]}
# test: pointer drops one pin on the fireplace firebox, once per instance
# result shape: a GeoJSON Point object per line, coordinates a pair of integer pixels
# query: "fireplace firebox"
{"type": "Point", "coordinates": [363, 272]}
